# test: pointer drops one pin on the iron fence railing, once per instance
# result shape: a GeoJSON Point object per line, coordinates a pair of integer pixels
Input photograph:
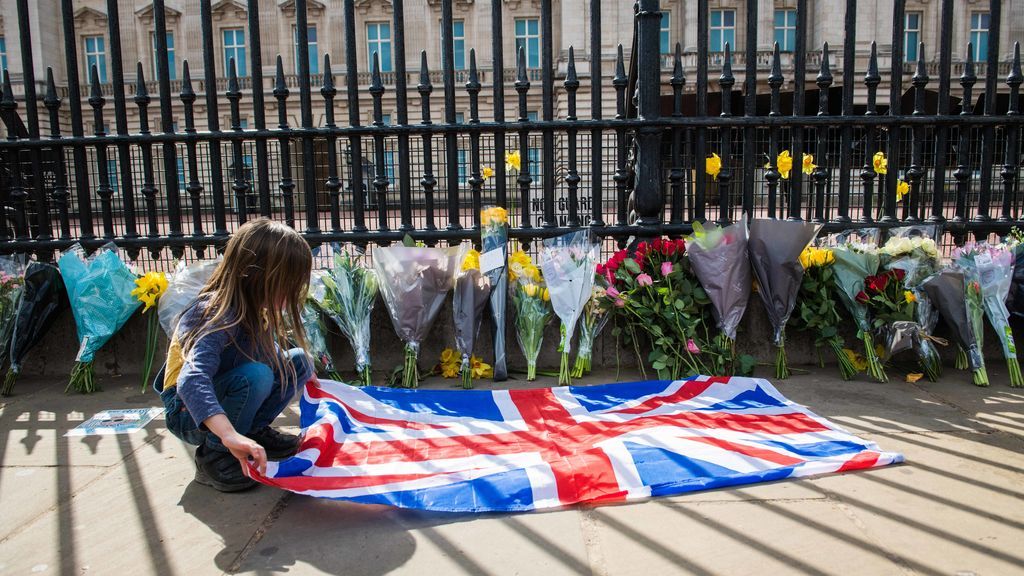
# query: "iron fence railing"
{"type": "Point", "coordinates": [157, 189]}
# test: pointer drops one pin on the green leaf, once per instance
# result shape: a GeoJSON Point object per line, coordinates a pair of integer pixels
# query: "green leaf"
{"type": "Point", "coordinates": [408, 242]}
{"type": "Point", "coordinates": [631, 265]}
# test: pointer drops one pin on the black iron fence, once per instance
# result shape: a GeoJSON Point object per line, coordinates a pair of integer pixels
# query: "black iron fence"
{"type": "Point", "coordinates": [162, 188]}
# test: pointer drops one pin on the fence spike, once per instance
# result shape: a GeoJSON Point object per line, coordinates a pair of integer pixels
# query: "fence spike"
{"type": "Point", "coordinates": [824, 79]}
{"type": "Point", "coordinates": [50, 100]}
{"type": "Point", "coordinates": [920, 77]}
{"type": "Point", "coordinates": [141, 92]}
{"type": "Point", "coordinates": [234, 91]}
{"type": "Point", "coordinates": [95, 94]}
{"type": "Point", "coordinates": [572, 82]}
{"type": "Point", "coordinates": [1014, 79]}
{"type": "Point", "coordinates": [188, 95]}
{"type": "Point", "coordinates": [968, 78]}
{"type": "Point", "coordinates": [872, 78]}
{"type": "Point", "coordinates": [328, 90]}
{"type": "Point", "coordinates": [280, 88]}
{"type": "Point", "coordinates": [678, 77]}
{"type": "Point", "coordinates": [727, 79]}
{"type": "Point", "coordinates": [473, 84]}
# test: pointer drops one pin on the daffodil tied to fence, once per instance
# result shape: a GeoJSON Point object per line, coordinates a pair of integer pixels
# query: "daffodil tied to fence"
{"type": "Point", "coordinates": [148, 290]}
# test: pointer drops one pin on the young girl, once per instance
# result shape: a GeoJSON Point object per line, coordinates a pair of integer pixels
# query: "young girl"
{"type": "Point", "coordinates": [226, 377]}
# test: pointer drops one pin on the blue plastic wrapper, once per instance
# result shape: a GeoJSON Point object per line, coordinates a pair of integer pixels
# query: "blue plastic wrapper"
{"type": "Point", "coordinates": [99, 289]}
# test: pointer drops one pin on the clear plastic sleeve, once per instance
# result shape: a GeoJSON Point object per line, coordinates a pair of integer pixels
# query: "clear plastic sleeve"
{"type": "Point", "coordinates": [471, 294]}
{"type": "Point", "coordinates": [494, 244]}
{"type": "Point", "coordinates": [347, 293]}
{"type": "Point", "coordinates": [183, 288]}
{"type": "Point", "coordinates": [12, 287]}
{"type": "Point", "coordinates": [414, 282]}
{"type": "Point", "coordinates": [720, 264]}
{"type": "Point", "coordinates": [568, 263]}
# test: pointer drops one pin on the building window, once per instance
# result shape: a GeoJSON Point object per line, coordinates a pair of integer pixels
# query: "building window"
{"type": "Point", "coordinates": [3, 53]}
{"type": "Point", "coordinates": [785, 30]}
{"type": "Point", "coordinates": [96, 55]}
{"type": "Point", "coordinates": [378, 41]}
{"type": "Point", "coordinates": [723, 30]}
{"type": "Point", "coordinates": [664, 37]}
{"type": "Point", "coordinates": [112, 174]}
{"type": "Point", "coordinates": [243, 123]}
{"type": "Point", "coordinates": [182, 180]}
{"type": "Point", "coordinates": [911, 36]}
{"type": "Point", "coordinates": [463, 168]}
{"type": "Point", "coordinates": [979, 34]}
{"type": "Point", "coordinates": [459, 44]}
{"type": "Point", "coordinates": [314, 54]}
{"type": "Point", "coordinates": [528, 39]}
{"type": "Point", "coordinates": [234, 49]}
{"type": "Point", "coordinates": [171, 72]}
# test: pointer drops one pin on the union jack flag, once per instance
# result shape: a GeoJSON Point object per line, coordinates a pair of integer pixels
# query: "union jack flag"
{"type": "Point", "coordinates": [514, 450]}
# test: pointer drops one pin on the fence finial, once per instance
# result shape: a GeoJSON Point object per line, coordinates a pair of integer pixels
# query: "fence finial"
{"type": "Point", "coordinates": [51, 100]}
{"type": "Point", "coordinates": [328, 89]}
{"type": "Point", "coordinates": [188, 95]}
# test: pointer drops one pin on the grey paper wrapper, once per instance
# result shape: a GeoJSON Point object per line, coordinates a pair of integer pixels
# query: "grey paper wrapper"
{"type": "Point", "coordinates": [946, 291]}
{"type": "Point", "coordinates": [775, 247]}
{"type": "Point", "coordinates": [725, 276]}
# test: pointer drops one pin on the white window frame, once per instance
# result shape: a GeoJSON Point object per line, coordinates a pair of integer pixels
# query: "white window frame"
{"type": "Point", "coordinates": [99, 56]}
{"type": "Point", "coordinates": [788, 26]}
{"type": "Point", "coordinates": [172, 71]}
{"type": "Point", "coordinates": [911, 47]}
{"type": "Point", "coordinates": [376, 45]}
{"type": "Point", "coordinates": [241, 65]}
{"type": "Point", "coordinates": [722, 29]}
{"type": "Point", "coordinates": [526, 39]}
{"type": "Point", "coordinates": [975, 34]}
{"type": "Point", "coordinates": [314, 48]}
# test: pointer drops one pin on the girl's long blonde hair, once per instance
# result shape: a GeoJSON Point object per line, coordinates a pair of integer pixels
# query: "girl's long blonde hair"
{"type": "Point", "coordinates": [263, 279]}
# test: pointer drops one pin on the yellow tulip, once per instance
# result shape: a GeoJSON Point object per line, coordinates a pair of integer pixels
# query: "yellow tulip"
{"type": "Point", "coordinates": [531, 290]}
{"type": "Point", "coordinates": [545, 295]}
{"type": "Point", "coordinates": [713, 165]}
{"type": "Point", "coordinates": [809, 165]}
{"type": "Point", "coordinates": [880, 163]}
{"type": "Point", "coordinates": [513, 161]}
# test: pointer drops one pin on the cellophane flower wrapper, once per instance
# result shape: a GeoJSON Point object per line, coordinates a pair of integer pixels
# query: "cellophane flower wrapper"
{"type": "Point", "coordinates": [774, 248]}
{"type": "Point", "coordinates": [856, 258]}
{"type": "Point", "coordinates": [100, 291]}
{"type": "Point", "coordinates": [991, 266]}
{"type": "Point", "coordinates": [946, 290]}
{"type": "Point", "coordinates": [350, 291]}
{"type": "Point", "coordinates": [913, 249]}
{"type": "Point", "coordinates": [718, 257]}
{"type": "Point", "coordinates": [183, 288]}
{"type": "Point", "coordinates": [315, 328]}
{"type": "Point", "coordinates": [472, 293]}
{"type": "Point", "coordinates": [1015, 300]}
{"type": "Point", "coordinates": [595, 316]}
{"type": "Point", "coordinates": [43, 300]}
{"type": "Point", "coordinates": [414, 282]}
{"type": "Point", "coordinates": [12, 288]}
{"type": "Point", "coordinates": [493, 264]}
{"type": "Point", "coordinates": [527, 292]}
{"type": "Point", "coordinates": [568, 263]}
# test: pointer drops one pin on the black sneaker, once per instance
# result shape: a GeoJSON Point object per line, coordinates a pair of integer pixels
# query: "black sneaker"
{"type": "Point", "coordinates": [278, 445]}
{"type": "Point", "coordinates": [220, 470]}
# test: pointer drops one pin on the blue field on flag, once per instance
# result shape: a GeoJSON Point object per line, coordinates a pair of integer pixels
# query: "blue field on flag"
{"type": "Point", "coordinates": [518, 450]}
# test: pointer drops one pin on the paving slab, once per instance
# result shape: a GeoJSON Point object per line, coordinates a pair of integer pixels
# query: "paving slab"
{"type": "Point", "coordinates": [865, 406]}
{"type": "Point", "coordinates": [997, 406]}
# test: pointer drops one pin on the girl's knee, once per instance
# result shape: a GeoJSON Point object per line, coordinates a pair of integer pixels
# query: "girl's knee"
{"type": "Point", "coordinates": [257, 377]}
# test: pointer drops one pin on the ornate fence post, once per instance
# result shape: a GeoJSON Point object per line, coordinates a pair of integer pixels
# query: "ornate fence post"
{"type": "Point", "coordinates": [648, 189]}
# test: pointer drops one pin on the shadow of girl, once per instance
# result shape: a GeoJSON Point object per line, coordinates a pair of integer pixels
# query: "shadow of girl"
{"type": "Point", "coordinates": [331, 536]}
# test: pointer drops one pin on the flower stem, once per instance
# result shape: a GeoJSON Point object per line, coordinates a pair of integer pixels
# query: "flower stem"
{"type": "Point", "coordinates": [961, 359]}
{"type": "Point", "coordinates": [875, 369]}
{"type": "Point", "coordinates": [9, 380]}
{"type": "Point", "coordinates": [1016, 379]}
{"type": "Point", "coordinates": [531, 371]}
{"type": "Point", "coordinates": [151, 342]}
{"type": "Point", "coordinates": [82, 378]}
{"type": "Point", "coordinates": [846, 368]}
{"type": "Point", "coordinates": [781, 366]}
{"type": "Point", "coordinates": [980, 377]}
{"type": "Point", "coordinates": [564, 378]}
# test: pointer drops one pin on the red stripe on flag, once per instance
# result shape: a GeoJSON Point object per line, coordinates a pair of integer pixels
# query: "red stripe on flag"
{"type": "Point", "coordinates": [866, 459]}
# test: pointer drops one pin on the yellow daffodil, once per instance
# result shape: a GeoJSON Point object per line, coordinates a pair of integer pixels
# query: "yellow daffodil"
{"type": "Point", "coordinates": [149, 288]}
{"type": "Point", "coordinates": [880, 163]}
{"type": "Point", "coordinates": [858, 361]}
{"type": "Point", "coordinates": [450, 370]}
{"type": "Point", "coordinates": [513, 161]}
{"type": "Point", "coordinates": [713, 165]}
{"type": "Point", "coordinates": [450, 363]}
{"type": "Point", "coordinates": [914, 377]}
{"type": "Point", "coordinates": [784, 164]}
{"type": "Point", "coordinates": [521, 266]}
{"type": "Point", "coordinates": [809, 165]}
{"type": "Point", "coordinates": [909, 296]}
{"type": "Point", "coordinates": [487, 172]}
{"type": "Point", "coordinates": [480, 369]}
{"type": "Point", "coordinates": [494, 215]}
{"type": "Point", "coordinates": [472, 261]}
{"type": "Point", "coordinates": [902, 189]}
{"type": "Point", "coordinates": [449, 355]}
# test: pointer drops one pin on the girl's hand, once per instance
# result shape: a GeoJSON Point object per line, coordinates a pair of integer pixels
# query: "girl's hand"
{"type": "Point", "coordinates": [244, 448]}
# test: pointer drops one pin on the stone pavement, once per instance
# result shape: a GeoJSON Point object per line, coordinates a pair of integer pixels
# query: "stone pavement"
{"type": "Point", "coordinates": [127, 504]}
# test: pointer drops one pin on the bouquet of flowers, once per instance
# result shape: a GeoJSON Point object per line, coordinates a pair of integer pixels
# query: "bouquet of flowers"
{"type": "Point", "coordinates": [719, 259]}
{"type": "Point", "coordinates": [100, 291]}
{"type": "Point", "coordinates": [42, 301]}
{"type": "Point", "coordinates": [349, 293]}
{"type": "Point", "coordinates": [148, 289]}
{"type": "Point", "coordinates": [531, 301]}
{"type": "Point", "coordinates": [494, 241]}
{"type": "Point", "coordinates": [472, 292]}
{"type": "Point", "coordinates": [947, 291]}
{"type": "Point", "coordinates": [775, 248]}
{"type": "Point", "coordinates": [568, 264]}
{"type": "Point", "coordinates": [415, 281]}
{"type": "Point", "coordinates": [12, 287]}
{"type": "Point", "coordinates": [595, 316]}
{"type": "Point", "coordinates": [658, 296]}
{"type": "Point", "coordinates": [183, 288]}
{"type": "Point", "coordinates": [855, 259]}
{"type": "Point", "coordinates": [316, 331]}
{"type": "Point", "coordinates": [817, 309]}
{"type": "Point", "coordinates": [913, 250]}
{"type": "Point", "coordinates": [893, 310]}
{"type": "Point", "coordinates": [991, 268]}
{"type": "Point", "coordinates": [1015, 301]}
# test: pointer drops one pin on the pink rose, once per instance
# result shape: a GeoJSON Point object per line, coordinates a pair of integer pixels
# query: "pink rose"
{"type": "Point", "coordinates": [612, 292]}
{"type": "Point", "coordinates": [620, 303]}
{"type": "Point", "coordinates": [692, 347]}
{"type": "Point", "coordinates": [666, 268]}
{"type": "Point", "coordinates": [644, 280]}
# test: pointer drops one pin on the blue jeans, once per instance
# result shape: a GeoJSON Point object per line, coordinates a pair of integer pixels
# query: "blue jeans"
{"type": "Point", "coordinates": [252, 397]}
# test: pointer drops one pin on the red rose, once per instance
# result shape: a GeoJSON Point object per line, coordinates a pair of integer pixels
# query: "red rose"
{"type": "Point", "coordinates": [600, 270]}
{"type": "Point", "coordinates": [900, 274]}
{"type": "Point", "coordinates": [862, 297]}
{"type": "Point", "coordinates": [877, 283]}
{"type": "Point", "coordinates": [657, 244]}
